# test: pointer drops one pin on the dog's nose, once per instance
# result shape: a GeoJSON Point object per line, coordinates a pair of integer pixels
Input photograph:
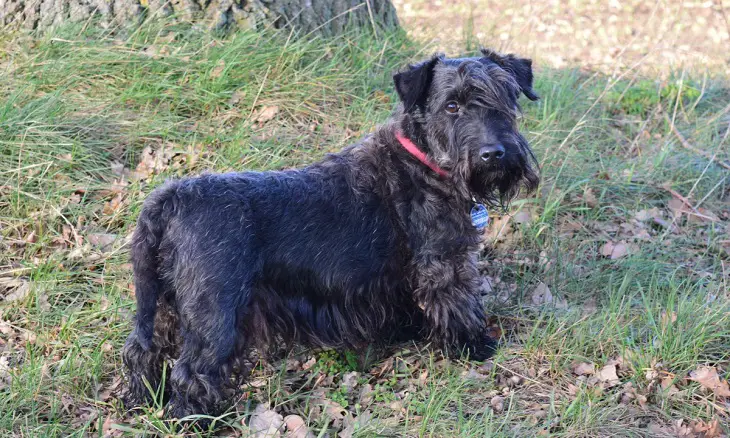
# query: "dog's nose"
{"type": "Point", "coordinates": [491, 153]}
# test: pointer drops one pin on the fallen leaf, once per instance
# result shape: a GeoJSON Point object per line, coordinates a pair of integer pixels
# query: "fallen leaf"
{"type": "Point", "coordinates": [16, 289]}
{"type": "Point", "coordinates": [31, 237]}
{"type": "Point", "coordinates": [28, 336]}
{"type": "Point", "coordinates": [218, 69]}
{"type": "Point", "coordinates": [423, 378]}
{"type": "Point", "coordinates": [681, 430]}
{"type": "Point", "coordinates": [108, 430]}
{"type": "Point", "coordinates": [309, 363]}
{"type": "Point", "coordinates": [667, 384]}
{"type": "Point", "coordinates": [497, 403]}
{"type": "Point", "coordinates": [568, 227]}
{"type": "Point", "coordinates": [43, 303]}
{"type": "Point", "coordinates": [258, 382]}
{"type": "Point", "coordinates": [668, 318]}
{"type": "Point", "coordinates": [154, 52]}
{"type": "Point", "coordinates": [236, 97]}
{"type": "Point", "coordinates": [486, 286]}
{"type": "Point", "coordinates": [677, 207]}
{"type": "Point", "coordinates": [349, 381]}
{"type": "Point", "coordinates": [265, 423]}
{"type": "Point", "coordinates": [629, 395]}
{"type": "Point", "coordinates": [355, 424]}
{"type": "Point", "coordinates": [659, 430]}
{"type": "Point", "coordinates": [589, 197]}
{"type": "Point", "coordinates": [110, 390]}
{"type": "Point", "coordinates": [590, 307]}
{"type": "Point", "coordinates": [498, 229]}
{"type": "Point", "coordinates": [702, 215]}
{"type": "Point", "coordinates": [296, 428]}
{"type": "Point", "coordinates": [524, 216]}
{"type": "Point", "coordinates": [472, 374]}
{"type": "Point", "coordinates": [366, 395]}
{"type": "Point", "coordinates": [4, 368]}
{"type": "Point", "coordinates": [615, 250]}
{"type": "Point", "coordinates": [102, 241]}
{"type": "Point", "coordinates": [707, 430]}
{"type": "Point", "coordinates": [608, 375]}
{"type": "Point", "coordinates": [541, 295]}
{"type": "Point", "coordinates": [707, 377]}
{"type": "Point", "coordinates": [6, 328]}
{"type": "Point", "coordinates": [266, 113]}
{"type": "Point", "coordinates": [112, 206]}
{"type": "Point", "coordinates": [333, 411]}
{"type": "Point", "coordinates": [646, 215]}
{"type": "Point", "coordinates": [583, 369]}
{"type": "Point", "coordinates": [153, 161]}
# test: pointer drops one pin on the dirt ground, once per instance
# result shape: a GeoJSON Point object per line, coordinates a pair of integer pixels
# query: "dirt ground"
{"type": "Point", "coordinates": [605, 35]}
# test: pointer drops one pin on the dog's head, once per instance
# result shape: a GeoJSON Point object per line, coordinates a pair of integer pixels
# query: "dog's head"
{"type": "Point", "coordinates": [464, 112]}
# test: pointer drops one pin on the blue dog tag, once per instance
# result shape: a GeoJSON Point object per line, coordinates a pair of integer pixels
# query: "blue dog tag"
{"type": "Point", "coordinates": [479, 216]}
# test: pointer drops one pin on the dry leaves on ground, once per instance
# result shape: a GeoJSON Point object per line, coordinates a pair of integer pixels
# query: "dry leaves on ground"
{"type": "Point", "coordinates": [296, 428]}
{"type": "Point", "coordinates": [617, 250]}
{"type": "Point", "coordinates": [101, 241]}
{"type": "Point", "coordinates": [602, 378]}
{"type": "Point", "coordinates": [265, 423]}
{"type": "Point", "coordinates": [583, 369]}
{"type": "Point", "coordinates": [265, 114]}
{"type": "Point", "coordinates": [589, 197]}
{"type": "Point", "coordinates": [629, 394]}
{"type": "Point", "coordinates": [497, 403]}
{"type": "Point", "coordinates": [707, 377]}
{"type": "Point", "coordinates": [14, 289]}
{"type": "Point", "coordinates": [694, 429]}
{"type": "Point", "coordinates": [355, 424]}
{"type": "Point", "coordinates": [608, 375]}
{"type": "Point", "coordinates": [541, 295]}
{"type": "Point", "coordinates": [152, 162]}
{"type": "Point", "coordinates": [217, 71]}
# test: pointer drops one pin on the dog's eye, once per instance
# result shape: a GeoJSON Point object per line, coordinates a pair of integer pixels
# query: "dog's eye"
{"type": "Point", "coordinates": [452, 107]}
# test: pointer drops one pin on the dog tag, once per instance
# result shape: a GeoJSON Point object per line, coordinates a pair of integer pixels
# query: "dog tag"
{"type": "Point", "coordinates": [479, 216]}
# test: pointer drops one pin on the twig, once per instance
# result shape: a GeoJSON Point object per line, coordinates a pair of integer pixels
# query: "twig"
{"type": "Point", "coordinates": [261, 87]}
{"type": "Point", "coordinates": [77, 238]}
{"type": "Point", "coordinates": [688, 146]}
{"type": "Point", "coordinates": [688, 204]}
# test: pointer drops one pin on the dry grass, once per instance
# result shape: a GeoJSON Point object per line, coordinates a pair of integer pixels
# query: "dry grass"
{"type": "Point", "coordinates": [609, 287]}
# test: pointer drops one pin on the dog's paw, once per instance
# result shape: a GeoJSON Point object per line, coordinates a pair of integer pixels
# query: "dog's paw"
{"type": "Point", "coordinates": [480, 349]}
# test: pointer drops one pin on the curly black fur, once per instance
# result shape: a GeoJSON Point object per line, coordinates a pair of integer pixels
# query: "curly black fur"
{"type": "Point", "coordinates": [366, 243]}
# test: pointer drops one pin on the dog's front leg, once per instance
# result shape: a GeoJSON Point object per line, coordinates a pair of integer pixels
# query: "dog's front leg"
{"type": "Point", "coordinates": [447, 292]}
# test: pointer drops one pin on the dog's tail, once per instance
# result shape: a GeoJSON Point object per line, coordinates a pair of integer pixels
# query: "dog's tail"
{"type": "Point", "coordinates": [151, 224]}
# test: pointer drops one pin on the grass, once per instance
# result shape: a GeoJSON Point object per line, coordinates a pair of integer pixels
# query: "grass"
{"type": "Point", "coordinates": [80, 110]}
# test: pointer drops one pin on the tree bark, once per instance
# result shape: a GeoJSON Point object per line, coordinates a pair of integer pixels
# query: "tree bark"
{"type": "Point", "coordinates": [317, 16]}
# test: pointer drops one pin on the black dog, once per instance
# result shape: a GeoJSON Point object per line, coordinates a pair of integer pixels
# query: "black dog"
{"type": "Point", "coordinates": [372, 241]}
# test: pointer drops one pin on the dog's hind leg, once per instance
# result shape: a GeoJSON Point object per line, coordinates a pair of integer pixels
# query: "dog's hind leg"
{"type": "Point", "coordinates": [143, 355]}
{"type": "Point", "coordinates": [144, 367]}
{"type": "Point", "coordinates": [209, 338]}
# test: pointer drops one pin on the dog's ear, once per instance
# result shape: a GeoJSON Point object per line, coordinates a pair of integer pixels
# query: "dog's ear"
{"type": "Point", "coordinates": [520, 68]}
{"type": "Point", "coordinates": [413, 83]}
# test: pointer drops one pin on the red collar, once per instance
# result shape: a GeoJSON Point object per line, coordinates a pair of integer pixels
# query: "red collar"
{"type": "Point", "coordinates": [413, 149]}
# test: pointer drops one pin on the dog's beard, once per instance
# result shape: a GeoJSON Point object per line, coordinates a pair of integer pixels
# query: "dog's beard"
{"type": "Point", "coordinates": [497, 185]}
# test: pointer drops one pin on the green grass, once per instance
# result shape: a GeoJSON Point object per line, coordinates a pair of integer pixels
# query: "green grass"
{"type": "Point", "coordinates": [77, 110]}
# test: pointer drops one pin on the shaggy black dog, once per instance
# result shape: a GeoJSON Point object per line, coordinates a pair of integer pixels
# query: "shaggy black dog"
{"type": "Point", "coordinates": [378, 239]}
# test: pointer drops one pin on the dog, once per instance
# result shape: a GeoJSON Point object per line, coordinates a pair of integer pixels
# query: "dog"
{"type": "Point", "coordinates": [376, 241]}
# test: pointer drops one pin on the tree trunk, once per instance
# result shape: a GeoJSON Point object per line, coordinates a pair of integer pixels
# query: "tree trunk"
{"type": "Point", "coordinates": [320, 16]}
